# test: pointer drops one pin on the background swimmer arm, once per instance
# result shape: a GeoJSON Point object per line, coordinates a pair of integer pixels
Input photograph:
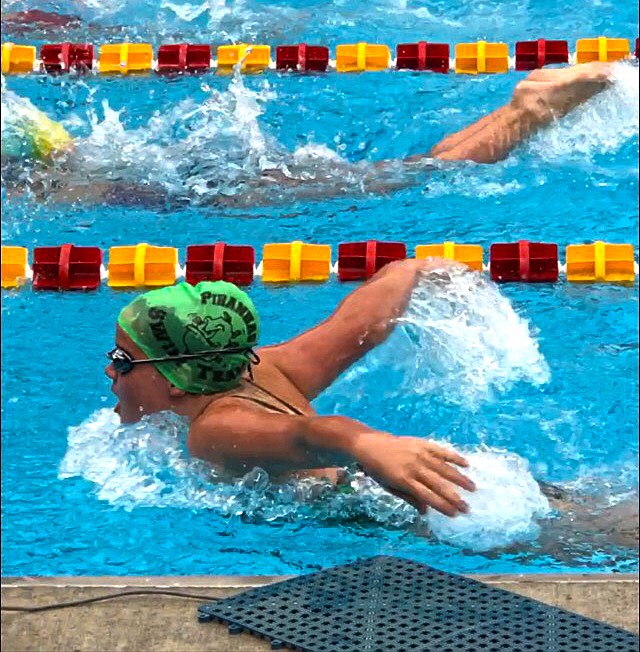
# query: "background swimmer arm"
{"type": "Point", "coordinates": [36, 18]}
{"type": "Point", "coordinates": [364, 319]}
{"type": "Point", "coordinates": [243, 437]}
{"type": "Point", "coordinates": [545, 95]}
{"type": "Point", "coordinates": [112, 193]}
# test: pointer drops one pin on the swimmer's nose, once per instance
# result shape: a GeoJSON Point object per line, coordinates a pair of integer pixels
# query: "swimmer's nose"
{"type": "Point", "coordinates": [110, 372]}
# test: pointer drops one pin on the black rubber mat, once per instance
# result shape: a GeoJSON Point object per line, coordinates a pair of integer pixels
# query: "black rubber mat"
{"type": "Point", "coordinates": [388, 604]}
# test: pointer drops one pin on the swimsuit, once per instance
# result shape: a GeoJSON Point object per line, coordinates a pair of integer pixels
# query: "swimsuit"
{"type": "Point", "coordinates": [282, 408]}
{"type": "Point", "coordinates": [552, 490]}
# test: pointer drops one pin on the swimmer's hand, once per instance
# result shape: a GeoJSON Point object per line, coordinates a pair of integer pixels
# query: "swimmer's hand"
{"type": "Point", "coordinates": [538, 100]}
{"type": "Point", "coordinates": [416, 470]}
{"type": "Point", "coordinates": [550, 94]}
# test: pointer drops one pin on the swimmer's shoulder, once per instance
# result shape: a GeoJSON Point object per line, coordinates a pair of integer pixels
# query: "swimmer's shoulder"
{"type": "Point", "coordinates": [218, 422]}
{"type": "Point", "coordinates": [268, 390]}
{"type": "Point", "coordinates": [225, 413]}
{"type": "Point", "coordinates": [268, 375]}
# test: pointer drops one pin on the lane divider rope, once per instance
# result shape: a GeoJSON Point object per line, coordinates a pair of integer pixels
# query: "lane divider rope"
{"type": "Point", "coordinates": [71, 267]}
{"type": "Point", "coordinates": [469, 58]}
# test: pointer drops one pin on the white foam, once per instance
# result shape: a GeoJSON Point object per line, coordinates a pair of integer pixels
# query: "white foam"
{"type": "Point", "coordinates": [603, 124]}
{"type": "Point", "coordinates": [504, 509]}
{"type": "Point", "coordinates": [459, 340]}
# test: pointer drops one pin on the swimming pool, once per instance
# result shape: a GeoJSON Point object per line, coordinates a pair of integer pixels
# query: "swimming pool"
{"type": "Point", "coordinates": [92, 501]}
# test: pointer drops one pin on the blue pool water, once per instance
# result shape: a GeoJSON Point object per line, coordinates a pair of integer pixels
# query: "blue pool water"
{"type": "Point", "coordinates": [556, 386]}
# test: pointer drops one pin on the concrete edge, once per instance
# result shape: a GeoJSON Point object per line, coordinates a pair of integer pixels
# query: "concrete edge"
{"type": "Point", "coordinates": [247, 581]}
{"type": "Point", "coordinates": [160, 623]}
{"type": "Point", "coordinates": [151, 581]}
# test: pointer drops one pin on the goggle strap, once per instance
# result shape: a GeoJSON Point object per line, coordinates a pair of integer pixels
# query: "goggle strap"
{"type": "Point", "coordinates": [123, 357]}
{"type": "Point", "coordinates": [204, 354]}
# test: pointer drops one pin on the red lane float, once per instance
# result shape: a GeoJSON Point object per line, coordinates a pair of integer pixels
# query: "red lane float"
{"type": "Point", "coordinates": [531, 262]}
{"type": "Point", "coordinates": [62, 57]}
{"type": "Point", "coordinates": [302, 57]}
{"type": "Point", "coordinates": [361, 260]}
{"type": "Point", "coordinates": [537, 54]}
{"type": "Point", "coordinates": [220, 262]}
{"type": "Point", "coordinates": [423, 56]}
{"type": "Point", "coordinates": [67, 267]}
{"type": "Point", "coordinates": [184, 57]}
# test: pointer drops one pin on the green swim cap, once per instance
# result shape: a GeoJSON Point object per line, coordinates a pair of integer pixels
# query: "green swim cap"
{"type": "Point", "coordinates": [189, 319]}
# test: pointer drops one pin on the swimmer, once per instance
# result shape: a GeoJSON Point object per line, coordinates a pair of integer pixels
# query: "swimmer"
{"type": "Point", "coordinates": [542, 97]}
{"type": "Point", "coordinates": [582, 518]}
{"type": "Point", "coordinates": [243, 414]}
{"type": "Point", "coordinates": [249, 406]}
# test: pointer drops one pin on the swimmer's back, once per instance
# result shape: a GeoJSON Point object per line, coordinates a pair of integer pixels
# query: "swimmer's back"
{"type": "Point", "coordinates": [269, 391]}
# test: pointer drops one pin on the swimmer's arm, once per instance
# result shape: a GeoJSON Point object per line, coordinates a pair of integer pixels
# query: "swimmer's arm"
{"type": "Point", "coordinates": [111, 193]}
{"type": "Point", "coordinates": [544, 96]}
{"type": "Point", "coordinates": [364, 319]}
{"type": "Point", "coordinates": [419, 471]}
{"type": "Point", "coordinates": [240, 438]}
{"type": "Point", "coordinates": [37, 18]}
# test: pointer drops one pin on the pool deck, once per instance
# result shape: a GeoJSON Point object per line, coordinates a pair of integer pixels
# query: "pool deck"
{"type": "Point", "coordinates": [169, 624]}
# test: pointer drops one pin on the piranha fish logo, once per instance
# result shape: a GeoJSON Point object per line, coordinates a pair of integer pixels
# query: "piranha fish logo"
{"type": "Point", "coordinates": [217, 332]}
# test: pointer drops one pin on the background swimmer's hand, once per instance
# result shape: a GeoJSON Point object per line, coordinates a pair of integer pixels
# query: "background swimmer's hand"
{"type": "Point", "coordinates": [548, 94]}
{"type": "Point", "coordinates": [538, 100]}
{"type": "Point", "coordinates": [416, 470]}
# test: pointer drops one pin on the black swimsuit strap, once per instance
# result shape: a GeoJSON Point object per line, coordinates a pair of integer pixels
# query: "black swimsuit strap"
{"type": "Point", "coordinates": [265, 404]}
{"type": "Point", "coordinates": [290, 409]}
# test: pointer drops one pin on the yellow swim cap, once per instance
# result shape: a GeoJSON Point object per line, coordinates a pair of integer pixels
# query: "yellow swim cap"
{"type": "Point", "coordinates": [29, 133]}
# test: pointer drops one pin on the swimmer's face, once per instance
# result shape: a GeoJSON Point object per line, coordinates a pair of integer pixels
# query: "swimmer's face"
{"type": "Point", "coordinates": [143, 390]}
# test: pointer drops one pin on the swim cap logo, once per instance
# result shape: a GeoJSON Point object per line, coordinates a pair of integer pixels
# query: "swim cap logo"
{"type": "Point", "coordinates": [232, 305]}
{"type": "Point", "coordinates": [217, 332]}
{"type": "Point", "coordinates": [235, 327]}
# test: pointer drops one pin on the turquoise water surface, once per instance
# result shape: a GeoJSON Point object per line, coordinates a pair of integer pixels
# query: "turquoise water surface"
{"type": "Point", "coordinates": [551, 375]}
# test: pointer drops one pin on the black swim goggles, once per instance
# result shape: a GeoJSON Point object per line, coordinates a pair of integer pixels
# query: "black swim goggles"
{"type": "Point", "coordinates": [123, 362]}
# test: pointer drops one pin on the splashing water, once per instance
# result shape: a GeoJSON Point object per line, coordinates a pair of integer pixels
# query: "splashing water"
{"type": "Point", "coordinates": [191, 151]}
{"type": "Point", "coordinates": [206, 152]}
{"type": "Point", "coordinates": [146, 465]}
{"type": "Point", "coordinates": [603, 124]}
{"type": "Point", "coordinates": [460, 341]}
{"type": "Point", "coordinates": [503, 510]}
